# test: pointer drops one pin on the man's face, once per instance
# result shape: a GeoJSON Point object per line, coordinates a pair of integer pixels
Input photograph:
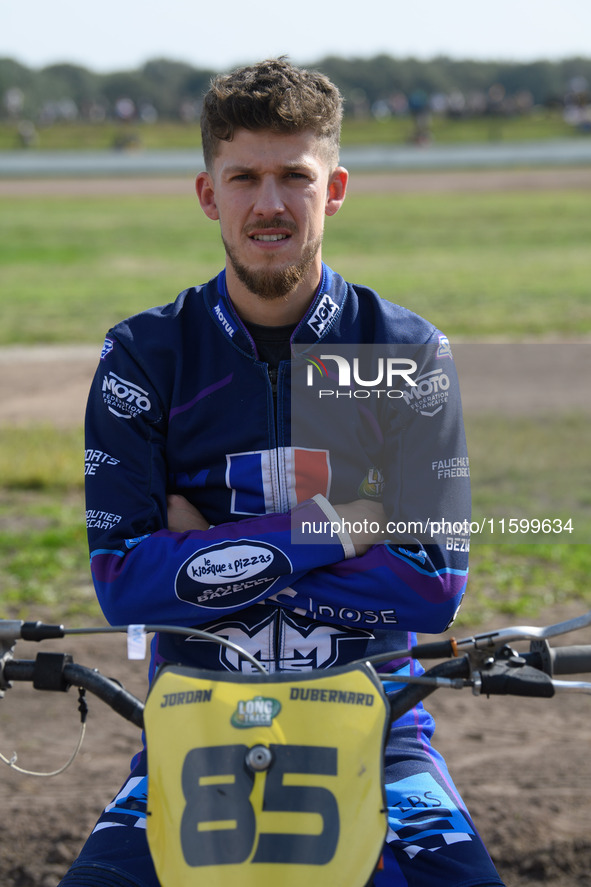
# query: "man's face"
{"type": "Point", "coordinates": [271, 192]}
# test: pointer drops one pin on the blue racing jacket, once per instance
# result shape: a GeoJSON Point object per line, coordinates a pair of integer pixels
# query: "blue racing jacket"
{"type": "Point", "coordinates": [182, 403]}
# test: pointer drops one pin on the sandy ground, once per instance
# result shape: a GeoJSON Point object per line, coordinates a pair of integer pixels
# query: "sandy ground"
{"type": "Point", "coordinates": [42, 385]}
{"type": "Point", "coordinates": [378, 182]}
{"type": "Point", "coordinates": [522, 765]}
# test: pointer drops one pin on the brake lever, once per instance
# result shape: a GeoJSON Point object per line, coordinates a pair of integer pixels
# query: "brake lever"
{"type": "Point", "coordinates": [488, 642]}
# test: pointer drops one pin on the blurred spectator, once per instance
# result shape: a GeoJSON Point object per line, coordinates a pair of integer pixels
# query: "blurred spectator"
{"type": "Point", "coordinates": [439, 103]}
{"type": "Point", "coordinates": [476, 103]}
{"type": "Point", "coordinates": [125, 108]}
{"type": "Point", "coordinates": [577, 105]}
{"type": "Point", "coordinates": [381, 109]}
{"type": "Point", "coordinates": [524, 101]}
{"type": "Point", "coordinates": [456, 103]}
{"type": "Point", "coordinates": [96, 112]}
{"type": "Point", "coordinates": [27, 134]}
{"type": "Point", "coordinates": [418, 105]}
{"type": "Point", "coordinates": [14, 100]}
{"type": "Point", "coordinates": [190, 110]}
{"type": "Point", "coordinates": [53, 111]}
{"type": "Point", "coordinates": [399, 104]}
{"type": "Point", "coordinates": [148, 113]}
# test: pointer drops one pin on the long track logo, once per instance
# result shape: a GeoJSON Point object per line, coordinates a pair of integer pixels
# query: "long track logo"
{"type": "Point", "coordinates": [256, 712]}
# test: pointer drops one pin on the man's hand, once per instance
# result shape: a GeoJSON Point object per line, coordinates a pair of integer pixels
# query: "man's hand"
{"type": "Point", "coordinates": [369, 517]}
{"type": "Point", "coordinates": [182, 516]}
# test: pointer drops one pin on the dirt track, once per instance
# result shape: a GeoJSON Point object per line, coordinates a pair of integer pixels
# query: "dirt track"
{"type": "Point", "coordinates": [522, 767]}
{"type": "Point", "coordinates": [50, 384]}
{"type": "Point", "coordinates": [393, 182]}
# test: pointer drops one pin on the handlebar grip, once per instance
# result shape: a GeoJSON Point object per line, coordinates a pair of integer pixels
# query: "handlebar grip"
{"type": "Point", "coordinates": [571, 660]}
{"type": "Point", "coordinates": [39, 631]}
{"type": "Point", "coordinates": [575, 659]}
{"type": "Point", "coordinates": [435, 650]}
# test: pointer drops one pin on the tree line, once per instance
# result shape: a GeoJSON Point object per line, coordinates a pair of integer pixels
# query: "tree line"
{"type": "Point", "coordinates": [172, 90]}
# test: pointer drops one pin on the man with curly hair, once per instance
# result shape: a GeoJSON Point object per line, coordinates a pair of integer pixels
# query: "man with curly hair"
{"type": "Point", "coordinates": [191, 408]}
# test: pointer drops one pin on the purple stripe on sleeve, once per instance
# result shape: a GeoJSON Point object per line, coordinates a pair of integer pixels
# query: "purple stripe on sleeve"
{"type": "Point", "coordinates": [206, 391]}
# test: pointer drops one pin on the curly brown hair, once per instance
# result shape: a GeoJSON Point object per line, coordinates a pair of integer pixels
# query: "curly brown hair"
{"type": "Point", "coordinates": [273, 95]}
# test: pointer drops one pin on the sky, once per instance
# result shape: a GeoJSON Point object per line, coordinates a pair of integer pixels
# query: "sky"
{"type": "Point", "coordinates": [115, 35]}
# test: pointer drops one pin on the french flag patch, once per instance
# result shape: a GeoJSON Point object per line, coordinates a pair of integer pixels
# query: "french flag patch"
{"type": "Point", "coordinates": [256, 477]}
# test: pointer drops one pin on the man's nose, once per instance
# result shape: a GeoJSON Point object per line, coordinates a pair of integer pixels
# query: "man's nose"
{"type": "Point", "coordinates": [269, 201]}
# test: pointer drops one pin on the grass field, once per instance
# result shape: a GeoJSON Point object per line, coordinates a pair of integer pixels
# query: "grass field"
{"type": "Point", "coordinates": [484, 266]}
{"type": "Point", "coordinates": [479, 265]}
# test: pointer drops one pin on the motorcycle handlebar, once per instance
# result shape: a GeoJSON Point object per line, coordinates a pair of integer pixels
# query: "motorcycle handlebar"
{"type": "Point", "coordinates": [57, 671]}
{"type": "Point", "coordinates": [519, 674]}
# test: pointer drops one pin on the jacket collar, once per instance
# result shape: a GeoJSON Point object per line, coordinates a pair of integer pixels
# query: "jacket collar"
{"type": "Point", "coordinates": [322, 315]}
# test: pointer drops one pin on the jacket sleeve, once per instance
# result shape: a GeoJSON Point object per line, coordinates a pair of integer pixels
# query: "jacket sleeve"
{"type": "Point", "coordinates": [415, 580]}
{"type": "Point", "coordinates": [141, 571]}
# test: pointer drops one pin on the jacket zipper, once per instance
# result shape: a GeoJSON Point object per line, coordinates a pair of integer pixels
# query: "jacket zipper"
{"type": "Point", "coordinates": [273, 373]}
{"type": "Point", "coordinates": [280, 480]}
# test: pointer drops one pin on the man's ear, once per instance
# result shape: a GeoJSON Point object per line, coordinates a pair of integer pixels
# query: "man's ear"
{"type": "Point", "coordinates": [337, 188]}
{"type": "Point", "coordinates": [205, 193]}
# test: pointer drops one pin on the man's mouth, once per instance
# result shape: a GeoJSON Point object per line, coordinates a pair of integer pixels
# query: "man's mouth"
{"type": "Point", "coordinates": [270, 238]}
{"type": "Point", "coordinates": [270, 230]}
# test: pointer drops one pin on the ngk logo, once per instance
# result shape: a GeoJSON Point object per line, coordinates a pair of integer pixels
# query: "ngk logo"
{"type": "Point", "coordinates": [123, 398]}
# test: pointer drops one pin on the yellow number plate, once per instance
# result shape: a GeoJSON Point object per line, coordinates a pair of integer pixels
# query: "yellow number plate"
{"type": "Point", "coordinates": [265, 781]}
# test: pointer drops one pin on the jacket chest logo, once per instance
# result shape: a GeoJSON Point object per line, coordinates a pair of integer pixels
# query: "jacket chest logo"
{"type": "Point", "coordinates": [323, 315]}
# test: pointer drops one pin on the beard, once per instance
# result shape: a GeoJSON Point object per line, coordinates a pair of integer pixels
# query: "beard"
{"type": "Point", "coordinates": [274, 283]}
